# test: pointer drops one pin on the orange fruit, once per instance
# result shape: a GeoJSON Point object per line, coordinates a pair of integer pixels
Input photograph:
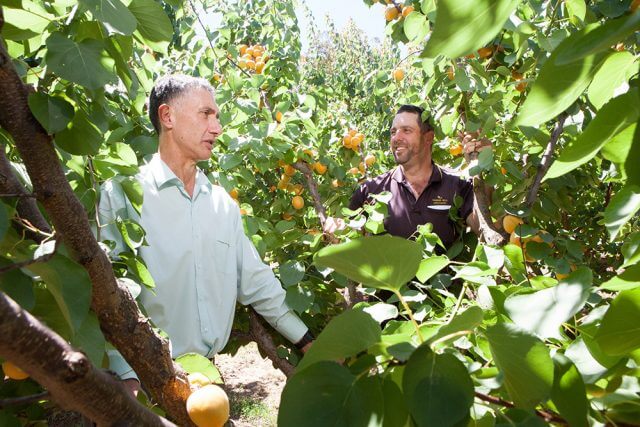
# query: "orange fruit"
{"type": "Point", "coordinates": [13, 372]}
{"type": "Point", "coordinates": [357, 139]}
{"type": "Point", "coordinates": [455, 150]}
{"type": "Point", "coordinates": [297, 189]}
{"type": "Point", "coordinates": [354, 171]}
{"type": "Point", "coordinates": [510, 222]}
{"type": "Point", "coordinates": [259, 67]}
{"type": "Point", "coordinates": [520, 87]}
{"type": "Point", "coordinates": [320, 168]}
{"type": "Point", "coordinates": [287, 216]}
{"type": "Point", "coordinates": [515, 240]}
{"type": "Point", "coordinates": [485, 52]}
{"type": "Point", "coordinates": [208, 406]}
{"type": "Point", "coordinates": [352, 132]}
{"type": "Point", "coordinates": [234, 193]}
{"type": "Point", "coordinates": [279, 116]}
{"type": "Point", "coordinates": [516, 75]}
{"type": "Point", "coordinates": [370, 160]}
{"type": "Point", "coordinates": [346, 141]}
{"type": "Point", "coordinates": [242, 49]}
{"type": "Point", "coordinates": [503, 171]}
{"type": "Point", "coordinates": [407, 10]}
{"type": "Point", "coordinates": [289, 170]}
{"type": "Point", "coordinates": [297, 202]}
{"type": "Point", "coordinates": [398, 74]}
{"type": "Point", "coordinates": [198, 380]}
{"type": "Point", "coordinates": [336, 183]}
{"type": "Point", "coordinates": [450, 73]}
{"type": "Point", "coordinates": [361, 167]}
{"type": "Point", "coordinates": [391, 13]}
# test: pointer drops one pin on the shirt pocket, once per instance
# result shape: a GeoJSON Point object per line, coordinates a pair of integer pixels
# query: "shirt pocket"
{"type": "Point", "coordinates": [223, 253]}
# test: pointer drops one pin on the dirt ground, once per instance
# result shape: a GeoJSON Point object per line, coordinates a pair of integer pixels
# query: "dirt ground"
{"type": "Point", "coordinates": [253, 385]}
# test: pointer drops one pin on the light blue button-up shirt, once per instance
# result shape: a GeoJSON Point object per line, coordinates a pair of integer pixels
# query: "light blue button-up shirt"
{"type": "Point", "coordinates": [200, 259]}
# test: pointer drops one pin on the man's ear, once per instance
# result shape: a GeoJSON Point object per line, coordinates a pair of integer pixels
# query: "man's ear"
{"type": "Point", "coordinates": [165, 117]}
{"type": "Point", "coordinates": [428, 137]}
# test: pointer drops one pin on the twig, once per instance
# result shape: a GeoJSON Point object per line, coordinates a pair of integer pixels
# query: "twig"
{"type": "Point", "coordinates": [23, 400]}
{"type": "Point", "coordinates": [29, 195]}
{"type": "Point", "coordinates": [261, 336]}
{"type": "Point", "coordinates": [313, 189]}
{"type": "Point", "coordinates": [96, 206]}
{"type": "Point", "coordinates": [545, 163]}
{"type": "Point", "coordinates": [546, 415]}
{"type": "Point", "coordinates": [206, 33]}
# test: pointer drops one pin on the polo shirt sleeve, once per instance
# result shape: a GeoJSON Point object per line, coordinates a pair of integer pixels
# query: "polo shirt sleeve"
{"type": "Point", "coordinates": [466, 192]}
{"type": "Point", "coordinates": [258, 287]}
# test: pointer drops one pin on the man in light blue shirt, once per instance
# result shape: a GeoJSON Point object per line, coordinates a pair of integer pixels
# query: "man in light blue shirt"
{"type": "Point", "coordinates": [197, 252]}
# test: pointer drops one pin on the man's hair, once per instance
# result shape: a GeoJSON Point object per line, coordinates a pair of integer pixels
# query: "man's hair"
{"type": "Point", "coordinates": [423, 119]}
{"type": "Point", "coordinates": [169, 87]}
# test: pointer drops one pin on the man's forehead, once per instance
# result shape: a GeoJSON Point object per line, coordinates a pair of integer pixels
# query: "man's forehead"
{"type": "Point", "coordinates": [199, 97]}
{"type": "Point", "coordinates": [405, 118]}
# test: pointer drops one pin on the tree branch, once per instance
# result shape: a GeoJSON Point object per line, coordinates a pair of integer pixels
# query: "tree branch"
{"type": "Point", "coordinates": [26, 206]}
{"type": "Point", "coordinates": [313, 190]}
{"type": "Point", "coordinates": [68, 375]}
{"type": "Point", "coordinates": [261, 336]}
{"type": "Point", "coordinates": [545, 163]}
{"type": "Point", "coordinates": [120, 320]}
{"type": "Point", "coordinates": [24, 400]}
{"type": "Point", "coordinates": [42, 258]}
{"type": "Point", "coordinates": [546, 415]}
{"type": "Point", "coordinates": [481, 209]}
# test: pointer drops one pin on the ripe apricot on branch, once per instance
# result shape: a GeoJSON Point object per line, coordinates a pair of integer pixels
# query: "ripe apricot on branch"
{"type": "Point", "coordinates": [319, 168]}
{"type": "Point", "coordinates": [208, 406]}
{"type": "Point", "coordinates": [198, 380]}
{"type": "Point", "coordinates": [289, 170]}
{"type": "Point", "coordinates": [455, 150]}
{"type": "Point", "coordinates": [391, 13]}
{"type": "Point", "coordinates": [279, 116]}
{"type": "Point", "coordinates": [450, 73]}
{"type": "Point", "coordinates": [297, 202]}
{"type": "Point", "coordinates": [234, 193]}
{"type": "Point", "coordinates": [510, 222]}
{"type": "Point", "coordinates": [398, 74]}
{"type": "Point", "coordinates": [407, 10]}
{"type": "Point", "coordinates": [13, 372]}
{"type": "Point", "coordinates": [485, 52]}
{"type": "Point", "coordinates": [370, 160]}
{"type": "Point", "coordinates": [520, 87]}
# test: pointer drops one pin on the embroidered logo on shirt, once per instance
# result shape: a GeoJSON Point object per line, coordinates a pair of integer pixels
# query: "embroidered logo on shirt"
{"type": "Point", "coordinates": [439, 200]}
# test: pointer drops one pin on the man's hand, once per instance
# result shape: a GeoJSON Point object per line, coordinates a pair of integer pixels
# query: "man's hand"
{"type": "Point", "coordinates": [472, 145]}
{"type": "Point", "coordinates": [306, 347]}
{"type": "Point", "coordinates": [133, 386]}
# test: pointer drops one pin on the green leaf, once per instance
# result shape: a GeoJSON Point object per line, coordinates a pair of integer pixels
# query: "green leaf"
{"type": "Point", "coordinates": [90, 339]}
{"type": "Point", "coordinates": [153, 22]}
{"type": "Point", "coordinates": [17, 285]}
{"type": "Point", "coordinates": [395, 409]}
{"type": "Point", "coordinates": [622, 207]}
{"type": "Point", "coordinates": [438, 389]}
{"type": "Point", "coordinates": [576, 8]}
{"type": "Point", "coordinates": [543, 312]}
{"type": "Point", "coordinates": [381, 311]}
{"type": "Point", "coordinates": [30, 16]}
{"type": "Point", "coordinates": [69, 284]}
{"type": "Point", "coordinates": [82, 137]}
{"type": "Point", "coordinates": [619, 332]}
{"type": "Point", "coordinates": [132, 233]}
{"type": "Point", "coordinates": [525, 363]}
{"type": "Point", "coordinates": [291, 273]}
{"type": "Point", "coordinates": [193, 362]}
{"type": "Point", "coordinates": [327, 394]}
{"type": "Point", "coordinates": [462, 26]}
{"type": "Point", "coordinates": [113, 14]}
{"type": "Point", "coordinates": [133, 191]}
{"type": "Point", "coordinates": [346, 335]}
{"type": "Point", "coordinates": [631, 250]}
{"type": "Point", "coordinates": [558, 86]}
{"type": "Point", "coordinates": [618, 148]}
{"type": "Point", "coordinates": [514, 262]}
{"type": "Point", "coordinates": [430, 266]}
{"type": "Point", "coordinates": [630, 279]}
{"type": "Point", "coordinates": [416, 26]}
{"type": "Point", "coordinates": [382, 262]}
{"type": "Point", "coordinates": [615, 116]}
{"type": "Point", "coordinates": [568, 393]}
{"type": "Point", "coordinates": [53, 112]}
{"type": "Point", "coordinates": [85, 63]}
{"type": "Point", "coordinates": [617, 69]}
{"type": "Point", "coordinates": [600, 39]}
{"type": "Point", "coordinates": [463, 322]}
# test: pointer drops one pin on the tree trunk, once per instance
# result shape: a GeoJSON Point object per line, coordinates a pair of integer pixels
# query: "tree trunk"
{"type": "Point", "coordinates": [120, 319]}
{"type": "Point", "coordinates": [72, 381]}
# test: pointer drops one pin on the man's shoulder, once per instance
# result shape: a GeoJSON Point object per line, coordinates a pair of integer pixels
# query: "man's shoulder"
{"type": "Point", "coordinates": [380, 182]}
{"type": "Point", "coordinates": [454, 175]}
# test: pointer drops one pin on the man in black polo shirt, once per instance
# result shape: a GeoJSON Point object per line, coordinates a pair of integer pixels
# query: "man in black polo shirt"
{"type": "Point", "coordinates": [421, 191]}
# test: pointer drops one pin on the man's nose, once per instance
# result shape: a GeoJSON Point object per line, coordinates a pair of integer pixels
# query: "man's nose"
{"type": "Point", "coordinates": [214, 126]}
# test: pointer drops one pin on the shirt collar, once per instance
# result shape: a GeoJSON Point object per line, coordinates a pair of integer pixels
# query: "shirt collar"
{"type": "Point", "coordinates": [164, 176]}
{"type": "Point", "coordinates": [436, 174]}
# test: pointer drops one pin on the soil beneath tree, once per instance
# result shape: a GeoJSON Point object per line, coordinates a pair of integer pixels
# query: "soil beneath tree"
{"type": "Point", "coordinates": [253, 385]}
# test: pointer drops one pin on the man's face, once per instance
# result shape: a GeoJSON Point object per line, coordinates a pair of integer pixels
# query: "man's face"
{"type": "Point", "coordinates": [408, 145]}
{"type": "Point", "coordinates": [195, 124]}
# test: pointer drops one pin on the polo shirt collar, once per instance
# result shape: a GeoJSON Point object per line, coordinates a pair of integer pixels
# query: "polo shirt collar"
{"type": "Point", "coordinates": [436, 175]}
{"type": "Point", "coordinates": [164, 176]}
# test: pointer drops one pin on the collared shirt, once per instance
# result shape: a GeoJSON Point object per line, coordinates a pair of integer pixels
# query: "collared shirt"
{"type": "Point", "coordinates": [433, 205]}
{"type": "Point", "coordinates": [200, 259]}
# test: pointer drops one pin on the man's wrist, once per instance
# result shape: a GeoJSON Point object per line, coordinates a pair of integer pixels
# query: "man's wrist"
{"type": "Point", "coordinates": [307, 338]}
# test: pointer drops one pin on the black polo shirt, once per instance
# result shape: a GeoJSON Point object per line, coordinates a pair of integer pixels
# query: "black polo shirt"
{"type": "Point", "coordinates": [406, 213]}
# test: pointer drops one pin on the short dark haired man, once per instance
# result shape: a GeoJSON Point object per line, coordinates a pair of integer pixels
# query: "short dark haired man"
{"type": "Point", "coordinates": [197, 252]}
{"type": "Point", "coordinates": [421, 191]}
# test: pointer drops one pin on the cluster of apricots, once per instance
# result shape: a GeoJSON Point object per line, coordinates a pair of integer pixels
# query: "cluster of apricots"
{"type": "Point", "coordinates": [511, 223]}
{"type": "Point", "coordinates": [396, 10]}
{"type": "Point", "coordinates": [517, 76]}
{"type": "Point", "coordinates": [352, 139]}
{"type": "Point", "coordinates": [252, 57]}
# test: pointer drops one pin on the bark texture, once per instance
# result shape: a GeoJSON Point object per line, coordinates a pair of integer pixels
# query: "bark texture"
{"type": "Point", "coordinates": [120, 319]}
{"type": "Point", "coordinates": [70, 378]}
{"type": "Point", "coordinates": [261, 336]}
